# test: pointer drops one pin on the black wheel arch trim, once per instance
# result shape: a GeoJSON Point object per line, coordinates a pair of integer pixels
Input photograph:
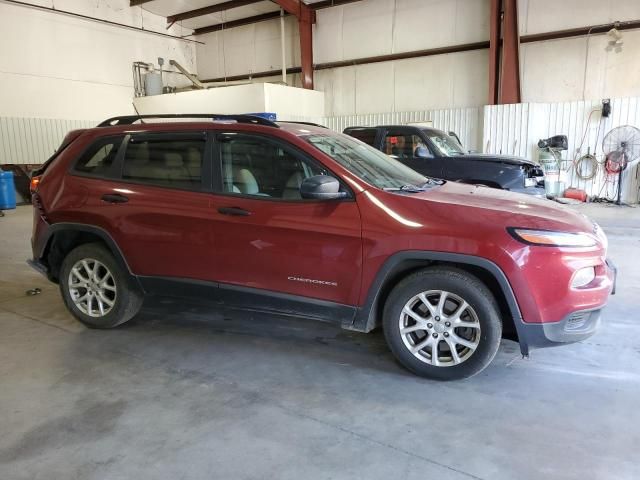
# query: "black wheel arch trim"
{"type": "Point", "coordinates": [111, 244]}
{"type": "Point", "coordinates": [367, 316]}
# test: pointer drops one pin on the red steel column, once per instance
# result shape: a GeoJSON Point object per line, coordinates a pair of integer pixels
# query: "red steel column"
{"type": "Point", "coordinates": [305, 26]}
{"type": "Point", "coordinates": [510, 69]}
{"type": "Point", "coordinates": [494, 51]}
{"type": "Point", "coordinates": [306, 18]}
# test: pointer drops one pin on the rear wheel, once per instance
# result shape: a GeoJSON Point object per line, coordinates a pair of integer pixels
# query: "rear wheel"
{"type": "Point", "coordinates": [96, 290]}
{"type": "Point", "coordinates": [442, 323]}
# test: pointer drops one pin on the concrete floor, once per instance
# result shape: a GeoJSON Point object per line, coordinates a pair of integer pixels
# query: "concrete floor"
{"type": "Point", "coordinates": [196, 395]}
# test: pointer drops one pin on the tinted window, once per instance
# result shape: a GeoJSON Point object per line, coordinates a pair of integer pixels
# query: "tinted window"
{"type": "Point", "coordinates": [97, 160]}
{"type": "Point", "coordinates": [366, 135]}
{"type": "Point", "coordinates": [171, 162]}
{"type": "Point", "coordinates": [402, 145]}
{"type": "Point", "coordinates": [257, 166]}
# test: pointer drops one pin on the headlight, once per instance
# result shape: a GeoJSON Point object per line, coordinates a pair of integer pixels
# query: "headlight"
{"type": "Point", "coordinates": [552, 239]}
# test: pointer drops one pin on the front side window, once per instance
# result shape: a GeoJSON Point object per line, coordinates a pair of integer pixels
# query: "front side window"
{"type": "Point", "coordinates": [367, 163]}
{"type": "Point", "coordinates": [99, 157]}
{"type": "Point", "coordinates": [404, 146]}
{"type": "Point", "coordinates": [257, 166]}
{"type": "Point", "coordinates": [169, 162]}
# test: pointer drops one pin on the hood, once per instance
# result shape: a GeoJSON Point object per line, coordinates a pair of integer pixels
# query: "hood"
{"type": "Point", "coordinates": [508, 209]}
{"type": "Point", "coordinates": [487, 157]}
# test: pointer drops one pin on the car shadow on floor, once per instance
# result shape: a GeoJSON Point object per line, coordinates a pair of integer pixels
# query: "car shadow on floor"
{"type": "Point", "coordinates": [238, 330]}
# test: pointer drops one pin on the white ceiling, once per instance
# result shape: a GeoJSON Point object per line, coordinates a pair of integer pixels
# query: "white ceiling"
{"type": "Point", "coordinates": [166, 8]}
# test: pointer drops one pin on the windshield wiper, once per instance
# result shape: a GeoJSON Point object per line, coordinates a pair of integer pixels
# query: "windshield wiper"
{"type": "Point", "coordinates": [433, 182]}
{"type": "Point", "coordinates": [405, 188]}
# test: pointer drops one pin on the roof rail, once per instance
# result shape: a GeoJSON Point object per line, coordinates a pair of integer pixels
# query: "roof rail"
{"type": "Point", "coordinates": [303, 123]}
{"type": "Point", "coordinates": [129, 119]}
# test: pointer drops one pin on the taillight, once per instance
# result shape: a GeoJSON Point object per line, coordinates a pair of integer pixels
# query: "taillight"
{"type": "Point", "coordinates": [35, 181]}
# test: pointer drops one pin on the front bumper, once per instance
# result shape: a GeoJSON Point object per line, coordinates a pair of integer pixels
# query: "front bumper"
{"type": "Point", "coordinates": [575, 327]}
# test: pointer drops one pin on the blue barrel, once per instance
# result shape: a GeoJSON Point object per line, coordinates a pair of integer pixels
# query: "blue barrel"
{"type": "Point", "coordinates": [7, 191]}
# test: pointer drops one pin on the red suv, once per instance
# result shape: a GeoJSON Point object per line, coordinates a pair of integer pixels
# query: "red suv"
{"type": "Point", "coordinates": [295, 219]}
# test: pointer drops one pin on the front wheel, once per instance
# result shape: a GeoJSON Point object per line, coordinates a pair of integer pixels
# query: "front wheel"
{"type": "Point", "coordinates": [95, 289]}
{"type": "Point", "coordinates": [442, 323]}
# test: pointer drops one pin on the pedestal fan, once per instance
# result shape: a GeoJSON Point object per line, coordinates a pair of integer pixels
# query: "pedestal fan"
{"type": "Point", "coordinates": [621, 146]}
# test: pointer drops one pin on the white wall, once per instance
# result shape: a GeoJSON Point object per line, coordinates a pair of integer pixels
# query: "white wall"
{"type": "Point", "coordinates": [248, 49]}
{"type": "Point", "coordinates": [554, 71]}
{"type": "Point", "coordinates": [365, 29]}
{"type": "Point", "coordinates": [551, 71]}
{"type": "Point", "coordinates": [60, 67]}
{"type": "Point", "coordinates": [441, 81]}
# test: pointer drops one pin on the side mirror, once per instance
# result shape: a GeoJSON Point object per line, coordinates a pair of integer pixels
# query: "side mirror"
{"type": "Point", "coordinates": [422, 152]}
{"type": "Point", "coordinates": [321, 187]}
{"type": "Point", "coordinates": [455, 135]}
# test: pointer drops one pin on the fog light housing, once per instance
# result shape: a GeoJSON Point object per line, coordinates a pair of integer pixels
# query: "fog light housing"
{"type": "Point", "coordinates": [583, 277]}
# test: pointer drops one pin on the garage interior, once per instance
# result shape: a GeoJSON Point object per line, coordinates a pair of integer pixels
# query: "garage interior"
{"type": "Point", "coordinates": [182, 391]}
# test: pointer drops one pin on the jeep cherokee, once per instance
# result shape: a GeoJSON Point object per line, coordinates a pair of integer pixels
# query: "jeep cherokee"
{"type": "Point", "coordinates": [296, 219]}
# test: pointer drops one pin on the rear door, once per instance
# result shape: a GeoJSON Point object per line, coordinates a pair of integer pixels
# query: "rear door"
{"type": "Point", "coordinates": [403, 143]}
{"type": "Point", "coordinates": [156, 205]}
{"type": "Point", "coordinates": [270, 240]}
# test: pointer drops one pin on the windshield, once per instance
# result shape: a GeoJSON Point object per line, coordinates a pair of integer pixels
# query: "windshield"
{"type": "Point", "coordinates": [367, 163]}
{"type": "Point", "coordinates": [445, 144]}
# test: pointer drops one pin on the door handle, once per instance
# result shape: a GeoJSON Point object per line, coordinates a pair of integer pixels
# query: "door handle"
{"type": "Point", "coordinates": [236, 211]}
{"type": "Point", "coordinates": [114, 198]}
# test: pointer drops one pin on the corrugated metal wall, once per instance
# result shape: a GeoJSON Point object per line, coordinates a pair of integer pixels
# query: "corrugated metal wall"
{"type": "Point", "coordinates": [33, 140]}
{"type": "Point", "coordinates": [516, 129]}
{"type": "Point", "coordinates": [506, 129]}
{"type": "Point", "coordinates": [466, 122]}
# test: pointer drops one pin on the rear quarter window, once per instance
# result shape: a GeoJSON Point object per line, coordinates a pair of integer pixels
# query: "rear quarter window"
{"type": "Point", "coordinates": [366, 135]}
{"type": "Point", "coordinates": [99, 157]}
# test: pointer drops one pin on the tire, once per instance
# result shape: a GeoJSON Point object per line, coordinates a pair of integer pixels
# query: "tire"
{"type": "Point", "coordinates": [478, 326]}
{"type": "Point", "coordinates": [120, 298]}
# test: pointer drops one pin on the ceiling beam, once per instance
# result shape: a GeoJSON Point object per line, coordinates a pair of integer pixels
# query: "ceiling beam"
{"type": "Point", "coordinates": [293, 7]}
{"type": "Point", "coordinates": [266, 16]}
{"type": "Point", "coordinates": [237, 23]}
{"type": "Point", "coordinates": [221, 7]}
{"type": "Point", "coordinates": [135, 3]}
{"type": "Point", "coordinates": [330, 3]}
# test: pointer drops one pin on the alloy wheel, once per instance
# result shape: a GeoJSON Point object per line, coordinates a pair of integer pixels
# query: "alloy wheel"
{"type": "Point", "coordinates": [92, 287]}
{"type": "Point", "coordinates": [439, 328]}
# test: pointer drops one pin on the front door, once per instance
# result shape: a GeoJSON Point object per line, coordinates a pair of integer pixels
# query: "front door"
{"type": "Point", "coordinates": [272, 242]}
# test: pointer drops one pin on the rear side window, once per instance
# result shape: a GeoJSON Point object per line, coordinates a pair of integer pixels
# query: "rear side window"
{"type": "Point", "coordinates": [366, 135]}
{"type": "Point", "coordinates": [168, 162]}
{"type": "Point", "coordinates": [99, 157]}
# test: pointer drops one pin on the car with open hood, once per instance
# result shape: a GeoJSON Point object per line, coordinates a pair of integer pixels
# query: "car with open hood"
{"type": "Point", "coordinates": [437, 154]}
